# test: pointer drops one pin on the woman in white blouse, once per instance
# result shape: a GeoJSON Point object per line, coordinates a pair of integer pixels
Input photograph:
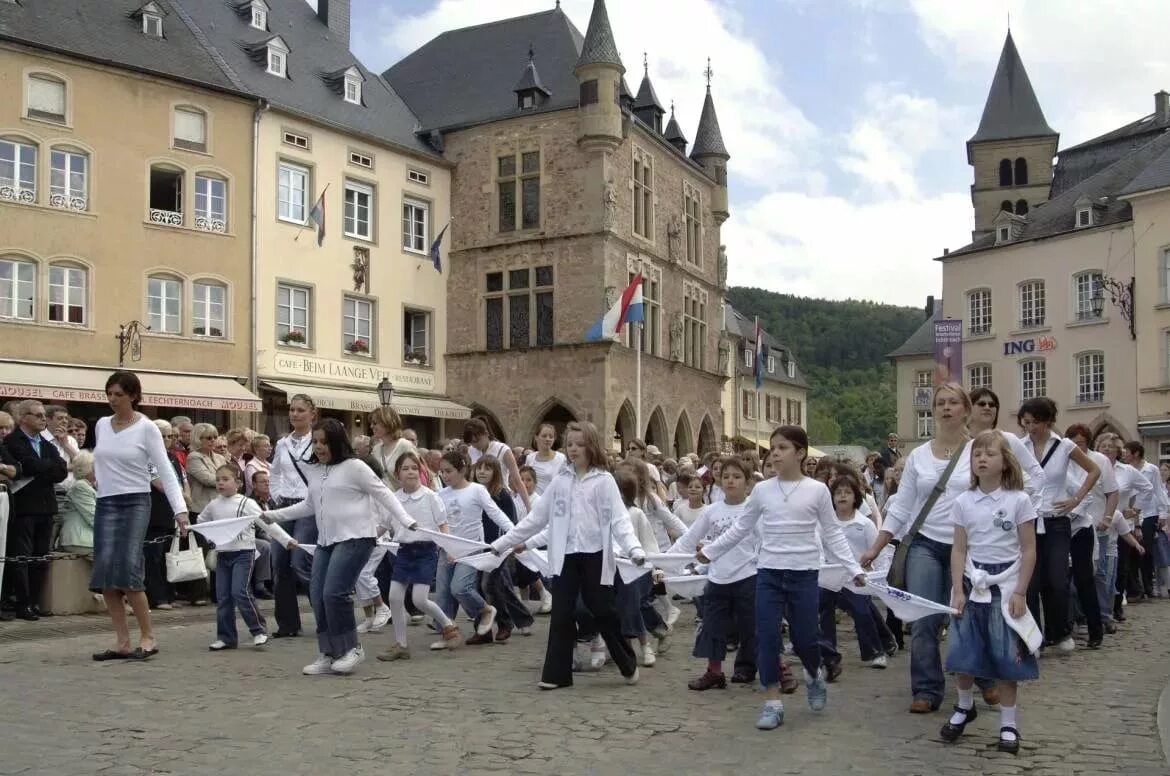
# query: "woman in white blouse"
{"type": "Point", "coordinates": [546, 462]}
{"type": "Point", "coordinates": [128, 447]}
{"type": "Point", "coordinates": [342, 493]}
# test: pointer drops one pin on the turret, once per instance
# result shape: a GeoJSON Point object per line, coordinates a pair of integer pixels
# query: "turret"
{"type": "Point", "coordinates": [710, 152]}
{"type": "Point", "coordinates": [599, 73]}
{"type": "Point", "coordinates": [646, 105]}
{"type": "Point", "coordinates": [674, 134]}
{"type": "Point", "coordinates": [530, 92]}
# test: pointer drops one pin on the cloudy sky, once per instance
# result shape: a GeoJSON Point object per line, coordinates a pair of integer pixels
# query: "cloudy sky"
{"type": "Point", "coordinates": [846, 119]}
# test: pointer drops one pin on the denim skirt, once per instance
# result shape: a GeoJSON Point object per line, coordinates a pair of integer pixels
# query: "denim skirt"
{"type": "Point", "coordinates": [119, 529]}
{"type": "Point", "coordinates": [981, 643]}
{"type": "Point", "coordinates": [416, 564]}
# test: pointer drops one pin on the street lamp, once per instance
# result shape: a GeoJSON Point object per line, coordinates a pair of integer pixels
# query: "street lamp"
{"type": "Point", "coordinates": [1121, 295]}
{"type": "Point", "coordinates": [385, 392]}
{"type": "Point", "coordinates": [1098, 300]}
{"type": "Point", "coordinates": [130, 339]}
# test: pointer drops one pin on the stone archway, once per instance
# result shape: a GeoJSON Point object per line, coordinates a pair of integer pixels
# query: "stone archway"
{"type": "Point", "coordinates": [656, 431]}
{"type": "Point", "coordinates": [493, 423]}
{"type": "Point", "coordinates": [683, 439]}
{"type": "Point", "coordinates": [625, 427]}
{"type": "Point", "coordinates": [707, 439]}
{"type": "Point", "coordinates": [1106, 423]}
{"type": "Point", "coordinates": [555, 412]}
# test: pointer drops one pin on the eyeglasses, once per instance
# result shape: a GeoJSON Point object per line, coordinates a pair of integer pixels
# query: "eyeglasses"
{"type": "Point", "coordinates": [986, 403]}
{"type": "Point", "coordinates": [34, 415]}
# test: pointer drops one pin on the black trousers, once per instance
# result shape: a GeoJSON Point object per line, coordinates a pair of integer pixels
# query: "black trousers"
{"type": "Point", "coordinates": [29, 535]}
{"type": "Point", "coordinates": [1083, 574]}
{"type": "Point", "coordinates": [158, 589]}
{"type": "Point", "coordinates": [1150, 543]}
{"type": "Point", "coordinates": [1049, 584]}
{"type": "Point", "coordinates": [728, 609]}
{"type": "Point", "coordinates": [581, 577]}
{"type": "Point", "coordinates": [511, 612]}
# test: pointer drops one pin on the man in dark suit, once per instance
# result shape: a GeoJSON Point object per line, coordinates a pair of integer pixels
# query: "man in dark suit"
{"type": "Point", "coordinates": [891, 453]}
{"type": "Point", "coordinates": [33, 504]}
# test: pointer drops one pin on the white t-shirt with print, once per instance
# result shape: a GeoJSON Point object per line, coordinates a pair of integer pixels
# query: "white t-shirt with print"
{"type": "Point", "coordinates": [991, 521]}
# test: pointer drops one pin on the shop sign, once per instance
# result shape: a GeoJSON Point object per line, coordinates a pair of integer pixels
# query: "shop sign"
{"type": "Point", "coordinates": [1023, 347]}
{"type": "Point", "coordinates": [64, 395]}
{"type": "Point", "coordinates": [352, 374]}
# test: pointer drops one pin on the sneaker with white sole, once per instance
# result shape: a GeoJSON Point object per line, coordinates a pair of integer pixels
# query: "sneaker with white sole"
{"type": "Point", "coordinates": [364, 625]}
{"type": "Point", "coordinates": [597, 655]}
{"type": "Point", "coordinates": [524, 631]}
{"type": "Point", "coordinates": [322, 665]}
{"type": "Point", "coordinates": [417, 619]}
{"type": "Point", "coordinates": [451, 639]}
{"type": "Point", "coordinates": [219, 645]}
{"type": "Point", "coordinates": [1067, 645]}
{"type": "Point", "coordinates": [877, 662]}
{"type": "Point", "coordinates": [545, 602]}
{"type": "Point", "coordinates": [672, 613]}
{"type": "Point", "coordinates": [349, 661]}
{"type": "Point", "coordinates": [649, 656]}
{"type": "Point", "coordinates": [487, 618]}
{"type": "Point", "coordinates": [817, 689]}
{"type": "Point", "coordinates": [260, 639]}
{"type": "Point", "coordinates": [633, 678]}
{"type": "Point", "coordinates": [381, 617]}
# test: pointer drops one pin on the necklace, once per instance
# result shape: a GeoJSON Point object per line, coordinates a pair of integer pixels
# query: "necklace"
{"type": "Point", "coordinates": [790, 491]}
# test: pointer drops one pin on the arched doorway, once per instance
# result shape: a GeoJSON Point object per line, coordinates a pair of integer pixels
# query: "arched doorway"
{"type": "Point", "coordinates": [493, 423]}
{"type": "Point", "coordinates": [558, 415]}
{"type": "Point", "coordinates": [656, 430]}
{"type": "Point", "coordinates": [683, 441]}
{"type": "Point", "coordinates": [626, 426]}
{"type": "Point", "coordinates": [707, 442]}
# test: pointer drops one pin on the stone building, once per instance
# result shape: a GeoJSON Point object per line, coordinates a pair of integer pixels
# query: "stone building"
{"type": "Point", "coordinates": [565, 185]}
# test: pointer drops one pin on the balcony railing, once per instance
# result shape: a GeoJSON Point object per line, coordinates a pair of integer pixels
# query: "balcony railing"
{"type": "Point", "coordinates": [207, 224]}
{"type": "Point", "coordinates": [68, 202]}
{"type": "Point", "coordinates": [168, 217]}
{"type": "Point", "coordinates": [18, 194]}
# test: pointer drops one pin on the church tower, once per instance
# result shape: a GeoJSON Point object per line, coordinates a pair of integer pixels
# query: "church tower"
{"type": "Point", "coordinates": [599, 74]}
{"type": "Point", "coordinates": [1013, 149]}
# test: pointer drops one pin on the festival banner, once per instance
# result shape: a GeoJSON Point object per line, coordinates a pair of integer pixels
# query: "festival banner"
{"type": "Point", "coordinates": [948, 351]}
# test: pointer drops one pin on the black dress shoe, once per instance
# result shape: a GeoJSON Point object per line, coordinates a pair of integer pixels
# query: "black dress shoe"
{"type": "Point", "coordinates": [1009, 745]}
{"type": "Point", "coordinates": [7, 616]}
{"type": "Point", "coordinates": [951, 732]}
{"type": "Point", "coordinates": [261, 594]}
{"type": "Point", "coordinates": [283, 634]}
{"type": "Point", "coordinates": [41, 612]}
{"type": "Point", "coordinates": [27, 613]}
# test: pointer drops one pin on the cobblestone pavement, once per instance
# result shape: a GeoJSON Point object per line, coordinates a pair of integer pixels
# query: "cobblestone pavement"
{"type": "Point", "coordinates": [189, 711]}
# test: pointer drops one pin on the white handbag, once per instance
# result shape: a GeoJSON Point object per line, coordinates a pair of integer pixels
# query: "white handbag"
{"type": "Point", "coordinates": [185, 565]}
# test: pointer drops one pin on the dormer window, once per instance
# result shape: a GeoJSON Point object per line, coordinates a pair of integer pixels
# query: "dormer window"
{"type": "Point", "coordinates": [259, 15]}
{"type": "Point", "coordinates": [353, 90]}
{"type": "Point", "coordinates": [277, 58]}
{"type": "Point", "coordinates": [152, 17]}
{"type": "Point", "coordinates": [1003, 234]}
{"type": "Point", "coordinates": [1084, 217]}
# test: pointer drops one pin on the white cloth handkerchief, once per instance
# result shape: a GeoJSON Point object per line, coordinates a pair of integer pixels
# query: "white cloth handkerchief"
{"type": "Point", "coordinates": [631, 571]}
{"type": "Point", "coordinates": [309, 548]}
{"type": "Point", "coordinates": [454, 546]}
{"type": "Point", "coordinates": [222, 531]}
{"type": "Point", "coordinates": [688, 585]}
{"type": "Point", "coordinates": [535, 560]}
{"type": "Point", "coordinates": [485, 561]}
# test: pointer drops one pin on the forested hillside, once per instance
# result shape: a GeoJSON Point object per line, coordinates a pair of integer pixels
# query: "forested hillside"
{"type": "Point", "coordinates": [842, 348]}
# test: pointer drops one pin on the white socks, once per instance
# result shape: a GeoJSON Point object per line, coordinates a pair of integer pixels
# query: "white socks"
{"type": "Point", "coordinates": [966, 702]}
{"type": "Point", "coordinates": [1007, 718]}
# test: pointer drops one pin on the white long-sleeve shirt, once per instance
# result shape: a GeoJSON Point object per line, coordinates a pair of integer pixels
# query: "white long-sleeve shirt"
{"type": "Point", "coordinates": [1153, 501]}
{"type": "Point", "coordinates": [466, 507]}
{"type": "Point", "coordinates": [283, 480]}
{"type": "Point", "coordinates": [788, 513]}
{"type": "Point", "coordinates": [122, 461]}
{"type": "Point", "coordinates": [426, 508]}
{"type": "Point", "coordinates": [643, 530]}
{"type": "Point", "coordinates": [716, 519]}
{"type": "Point", "coordinates": [662, 520]}
{"type": "Point", "coordinates": [343, 496]}
{"type": "Point", "coordinates": [1090, 511]}
{"type": "Point", "coordinates": [1131, 484]}
{"type": "Point", "coordinates": [1034, 477]}
{"type": "Point", "coordinates": [239, 505]}
{"type": "Point", "coordinates": [921, 474]}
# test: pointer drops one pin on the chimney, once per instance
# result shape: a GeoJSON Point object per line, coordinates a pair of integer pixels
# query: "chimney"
{"type": "Point", "coordinates": [335, 15]}
{"type": "Point", "coordinates": [930, 306]}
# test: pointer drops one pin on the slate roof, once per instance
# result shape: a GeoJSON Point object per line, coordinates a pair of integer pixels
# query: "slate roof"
{"type": "Point", "coordinates": [1155, 176]}
{"type": "Point", "coordinates": [314, 54]}
{"type": "Point", "coordinates": [1086, 159]}
{"type": "Point", "coordinates": [105, 31]}
{"type": "Point", "coordinates": [921, 342]}
{"type": "Point", "coordinates": [673, 131]}
{"type": "Point", "coordinates": [1139, 168]}
{"type": "Point", "coordinates": [708, 137]}
{"type": "Point", "coordinates": [1012, 110]}
{"type": "Point", "coordinates": [599, 46]}
{"type": "Point", "coordinates": [531, 79]}
{"type": "Point", "coordinates": [739, 326]}
{"type": "Point", "coordinates": [646, 96]}
{"type": "Point", "coordinates": [466, 76]}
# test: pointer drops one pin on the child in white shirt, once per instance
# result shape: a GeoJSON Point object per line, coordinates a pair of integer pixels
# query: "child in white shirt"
{"type": "Point", "coordinates": [995, 535]}
{"type": "Point", "coordinates": [1109, 531]}
{"type": "Point", "coordinates": [524, 577]}
{"type": "Point", "coordinates": [633, 598]}
{"type": "Point", "coordinates": [234, 559]}
{"type": "Point", "coordinates": [691, 502]}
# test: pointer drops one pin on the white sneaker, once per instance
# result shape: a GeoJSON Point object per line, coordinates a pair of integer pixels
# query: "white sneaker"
{"type": "Point", "coordinates": [633, 678]}
{"type": "Point", "coordinates": [672, 613]}
{"type": "Point", "coordinates": [487, 618]}
{"type": "Point", "coordinates": [364, 625]}
{"type": "Point", "coordinates": [349, 661]}
{"type": "Point", "coordinates": [381, 617]}
{"type": "Point", "coordinates": [877, 662]}
{"type": "Point", "coordinates": [524, 631]}
{"type": "Point", "coordinates": [260, 639]}
{"type": "Point", "coordinates": [320, 666]}
{"type": "Point", "coordinates": [545, 602]}
{"type": "Point", "coordinates": [217, 645]}
{"type": "Point", "coordinates": [417, 619]}
{"type": "Point", "coordinates": [1068, 645]}
{"type": "Point", "coordinates": [649, 657]}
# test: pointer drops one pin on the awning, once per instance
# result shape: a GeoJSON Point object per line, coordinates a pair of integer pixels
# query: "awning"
{"type": "Point", "coordinates": [1160, 427]}
{"type": "Point", "coordinates": [59, 383]}
{"type": "Point", "coordinates": [367, 401]}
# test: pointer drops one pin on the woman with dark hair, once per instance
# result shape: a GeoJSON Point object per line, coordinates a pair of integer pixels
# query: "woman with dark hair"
{"type": "Point", "coordinates": [128, 446]}
{"type": "Point", "coordinates": [480, 443]}
{"type": "Point", "coordinates": [342, 492]}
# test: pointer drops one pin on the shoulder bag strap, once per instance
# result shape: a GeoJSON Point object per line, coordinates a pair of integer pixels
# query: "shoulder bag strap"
{"type": "Point", "coordinates": [1048, 455]}
{"type": "Point", "coordinates": [939, 488]}
{"type": "Point", "coordinates": [301, 474]}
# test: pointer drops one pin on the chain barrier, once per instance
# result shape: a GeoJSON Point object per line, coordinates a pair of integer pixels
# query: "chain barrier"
{"type": "Point", "coordinates": [53, 556]}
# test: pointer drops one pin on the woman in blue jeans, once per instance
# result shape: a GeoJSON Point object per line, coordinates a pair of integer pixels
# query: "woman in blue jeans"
{"type": "Point", "coordinates": [928, 562]}
{"type": "Point", "coordinates": [340, 493]}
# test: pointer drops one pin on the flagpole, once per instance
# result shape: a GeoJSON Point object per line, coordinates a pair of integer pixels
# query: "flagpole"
{"type": "Point", "coordinates": [757, 382]}
{"type": "Point", "coordinates": [306, 221]}
{"type": "Point", "coordinates": [638, 364]}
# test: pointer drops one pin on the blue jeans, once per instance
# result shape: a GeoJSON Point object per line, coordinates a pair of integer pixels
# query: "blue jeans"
{"type": "Point", "coordinates": [335, 573]}
{"type": "Point", "coordinates": [287, 567]}
{"type": "Point", "coordinates": [1105, 577]}
{"type": "Point", "coordinates": [794, 596]}
{"type": "Point", "coordinates": [457, 584]}
{"type": "Point", "coordinates": [928, 574]}
{"type": "Point", "coordinates": [858, 607]}
{"type": "Point", "coordinates": [233, 572]}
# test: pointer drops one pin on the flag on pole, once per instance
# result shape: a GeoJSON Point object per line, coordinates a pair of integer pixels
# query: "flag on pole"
{"type": "Point", "coordinates": [758, 363]}
{"type": "Point", "coordinates": [317, 217]}
{"type": "Point", "coordinates": [627, 309]}
{"type": "Point", "coordinates": [436, 258]}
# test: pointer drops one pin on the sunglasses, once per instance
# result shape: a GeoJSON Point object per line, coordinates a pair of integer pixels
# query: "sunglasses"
{"type": "Point", "coordinates": [985, 403]}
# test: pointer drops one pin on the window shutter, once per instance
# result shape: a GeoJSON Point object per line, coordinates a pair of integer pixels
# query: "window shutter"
{"type": "Point", "coordinates": [190, 126]}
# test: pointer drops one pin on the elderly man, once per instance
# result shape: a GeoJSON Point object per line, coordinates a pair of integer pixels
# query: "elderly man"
{"type": "Point", "coordinates": [33, 504]}
{"type": "Point", "coordinates": [185, 428]}
{"type": "Point", "coordinates": [890, 453]}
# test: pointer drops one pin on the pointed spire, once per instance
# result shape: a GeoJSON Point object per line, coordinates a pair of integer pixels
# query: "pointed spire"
{"type": "Point", "coordinates": [708, 137]}
{"type": "Point", "coordinates": [647, 98]}
{"type": "Point", "coordinates": [530, 82]}
{"type": "Point", "coordinates": [674, 134]}
{"type": "Point", "coordinates": [599, 47]}
{"type": "Point", "coordinates": [1012, 110]}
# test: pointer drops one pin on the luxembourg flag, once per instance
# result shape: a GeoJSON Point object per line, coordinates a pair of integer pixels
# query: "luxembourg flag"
{"type": "Point", "coordinates": [758, 362]}
{"type": "Point", "coordinates": [627, 309]}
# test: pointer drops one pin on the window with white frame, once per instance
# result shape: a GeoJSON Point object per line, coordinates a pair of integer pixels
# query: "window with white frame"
{"type": "Point", "coordinates": [209, 310]}
{"type": "Point", "coordinates": [419, 177]}
{"type": "Point", "coordinates": [361, 160]}
{"type": "Point", "coordinates": [277, 58]}
{"type": "Point", "coordinates": [979, 311]}
{"type": "Point", "coordinates": [978, 376]}
{"type": "Point", "coordinates": [749, 357]}
{"type": "Point", "coordinates": [1165, 273]}
{"type": "Point", "coordinates": [1003, 234]}
{"type": "Point", "coordinates": [353, 89]}
{"type": "Point", "coordinates": [643, 194]}
{"type": "Point", "coordinates": [693, 210]}
{"type": "Point", "coordinates": [790, 368]}
{"type": "Point", "coordinates": [1085, 286]}
{"type": "Point", "coordinates": [358, 219]}
{"type": "Point", "coordinates": [694, 326]}
{"type": "Point", "coordinates": [296, 139]}
{"type": "Point", "coordinates": [18, 171]}
{"type": "Point", "coordinates": [1090, 378]}
{"type": "Point", "coordinates": [357, 326]}
{"type": "Point", "coordinates": [18, 286]}
{"type": "Point", "coordinates": [259, 15]}
{"type": "Point", "coordinates": [651, 308]}
{"type": "Point", "coordinates": [1033, 378]}
{"type": "Point", "coordinates": [416, 336]}
{"type": "Point", "coordinates": [210, 203]}
{"type": "Point", "coordinates": [152, 24]}
{"type": "Point", "coordinates": [771, 364]}
{"type": "Point", "coordinates": [748, 399]}
{"type": "Point", "coordinates": [1032, 304]}
{"type": "Point", "coordinates": [67, 294]}
{"type": "Point", "coordinates": [415, 225]}
{"type": "Point", "coordinates": [68, 179]}
{"type": "Point", "coordinates": [924, 424]}
{"type": "Point", "coordinates": [923, 378]}
{"type": "Point", "coordinates": [46, 98]}
{"type": "Point", "coordinates": [292, 192]}
{"type": "Point", "coordinates": [1084, 217]}
{"type": "Point", "coordinates": [293, 315]}
{"type": "Point", "coordinates": [190, 129]}
{"type": "Point", "coordinates": [164, 307]}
